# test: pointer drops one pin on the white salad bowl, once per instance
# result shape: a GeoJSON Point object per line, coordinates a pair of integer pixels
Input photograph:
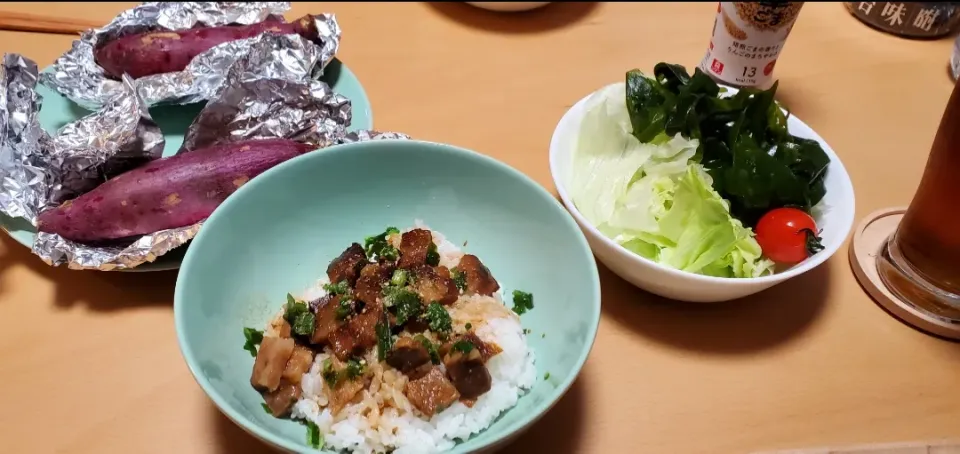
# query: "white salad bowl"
{"type": "Point", "coordinates": [834, 215]}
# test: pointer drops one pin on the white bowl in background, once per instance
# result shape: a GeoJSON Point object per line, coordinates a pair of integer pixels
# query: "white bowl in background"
{"type": "Point", "coordinates": [508, 6]}
{"type": "Point", "coordinates": [834, 217]}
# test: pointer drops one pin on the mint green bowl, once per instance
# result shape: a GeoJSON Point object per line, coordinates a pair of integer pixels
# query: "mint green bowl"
{"type": "Point", "coordinates": [278, 233]}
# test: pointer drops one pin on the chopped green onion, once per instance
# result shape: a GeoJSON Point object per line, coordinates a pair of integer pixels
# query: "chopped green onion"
{"type": "Point", "coordinates": [522, 302]}
{"type": "Point", "coordinates": [294, 308]}
{"type": "Point", "coordinates": [431, 349]}
{"type": "Point", "coordinates": [340, 288]}
{"type": "Point", "coordinates": [437, 317]}
{"type": "Point", "coordinates": [399, 278]}
{"type": "Point", "coordinates": [463, 346]}
{"type": "Point", "coordinates": [389, 253]}
{"type": "Point", "coordinates": [254, 338]}
{"type": "Point", "coordinates": [329, 375]}
{"type": "Point", "coordinates": [384, 337]}
{"type": "Point", "coordinates": [460, 279]}
{"type": "Point", "coordinates": [355, 368]}
{"type": "Point", "coordinates": [266, 408]}
{"type": "Point", "coordinates": [433, 257]}
{"type": "Point", "coordinates": [378, 245]}
{"type": "Point", "coordinates": [406, 304]}
{"type": "Point", "coordinates": [314, 439]}
{"type": "Point", "coordinates": [303, 325]}
{"type": "Point", "coordinates": [345, 308]}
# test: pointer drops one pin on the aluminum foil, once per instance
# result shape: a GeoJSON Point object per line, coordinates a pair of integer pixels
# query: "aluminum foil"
{"type": "Point", "coordinates": [365, 135]}
{"type": "Point", "coordinates": [23, 174]}
{"type": "Point", "coordinates": [286, 104]}
{"type": "Point", "coordinates": [77, 76]}
{"type": "Point", "coordinates": [101, 145]}
{"type": "Point", "coordinates": [56, 250]}
{"type": "Point", "coordinates": [91, 150]}
{"type": "Point", "coordinates": [269, 95]}
{"type": "Point", "coordinates": [264, 87]}
{"type": "Point", "coordinates": [39, 171]}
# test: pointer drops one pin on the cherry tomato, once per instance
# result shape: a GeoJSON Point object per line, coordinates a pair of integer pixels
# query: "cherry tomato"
{"type": "Point", "coordinates": [788, 235]}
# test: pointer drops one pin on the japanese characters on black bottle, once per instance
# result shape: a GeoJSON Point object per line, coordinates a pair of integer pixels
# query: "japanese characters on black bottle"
{"type": "Point", "coordinates": [908, 19]}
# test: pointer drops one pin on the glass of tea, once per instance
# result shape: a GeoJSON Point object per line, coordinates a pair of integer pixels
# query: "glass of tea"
{"type": "Point", "coordinates": [920, 261]}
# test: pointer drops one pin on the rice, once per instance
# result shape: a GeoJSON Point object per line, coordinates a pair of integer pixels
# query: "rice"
{"type": "Point", "coordinates": [383, 420]}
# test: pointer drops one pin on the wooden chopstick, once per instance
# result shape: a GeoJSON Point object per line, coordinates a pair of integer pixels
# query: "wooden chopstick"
{"type": "Point", "coordinates": [931, 447]}
{"type": "Point", "coordinates": [23, 22]}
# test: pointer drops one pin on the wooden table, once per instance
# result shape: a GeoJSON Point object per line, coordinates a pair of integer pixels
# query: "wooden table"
{"type": "Point", "coordinates": [90, 363]}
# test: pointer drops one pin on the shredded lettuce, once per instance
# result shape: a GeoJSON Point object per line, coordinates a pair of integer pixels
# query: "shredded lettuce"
{"type": "Point", "coordinates": [654, 198]}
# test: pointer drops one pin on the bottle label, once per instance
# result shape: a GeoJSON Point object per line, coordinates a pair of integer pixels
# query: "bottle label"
{"type": "Point", "coordinates": [747, 40]}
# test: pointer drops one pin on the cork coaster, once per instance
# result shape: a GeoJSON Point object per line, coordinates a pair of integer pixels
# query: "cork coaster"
{"type": "Point", "coordinates": [868, 239]}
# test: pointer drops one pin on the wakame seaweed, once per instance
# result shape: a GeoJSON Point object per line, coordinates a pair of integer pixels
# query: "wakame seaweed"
{"type": "Point", "coordinates": [754, 161]}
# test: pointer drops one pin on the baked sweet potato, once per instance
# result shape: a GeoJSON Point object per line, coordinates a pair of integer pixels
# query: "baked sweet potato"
{"type": "Point", "coordinates": [161, 52]}
{"type": "Point", "coordinates": [170, 192]}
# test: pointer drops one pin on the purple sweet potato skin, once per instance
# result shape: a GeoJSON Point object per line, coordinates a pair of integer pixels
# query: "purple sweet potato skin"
{"type": "Point", "coordinates": [161, 52]}
{"type": "Point", "coordinates": [167, 193]}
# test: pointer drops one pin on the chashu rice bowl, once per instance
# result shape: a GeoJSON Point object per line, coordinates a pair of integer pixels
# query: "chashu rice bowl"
{"type": "Point", "coordinates": [406, 346]}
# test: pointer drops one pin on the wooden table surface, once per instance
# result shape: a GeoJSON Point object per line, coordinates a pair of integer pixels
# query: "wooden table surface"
{"type": "Point", "coordinates": [90, 362]}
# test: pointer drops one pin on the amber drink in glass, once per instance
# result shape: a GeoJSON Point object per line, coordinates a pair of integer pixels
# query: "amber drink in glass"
{"type": "Point", "coordinates": [920, 262]}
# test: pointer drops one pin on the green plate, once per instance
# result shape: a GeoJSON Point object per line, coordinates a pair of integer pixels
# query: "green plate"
{"type": "Point", "coordinates": [278, 233]}
{"type": "Point", "coordinates": [58, 111]}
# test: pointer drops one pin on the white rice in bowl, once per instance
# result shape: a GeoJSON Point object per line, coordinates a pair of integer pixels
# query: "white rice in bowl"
{"type": "Point", "coordinates": [383, 420]}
